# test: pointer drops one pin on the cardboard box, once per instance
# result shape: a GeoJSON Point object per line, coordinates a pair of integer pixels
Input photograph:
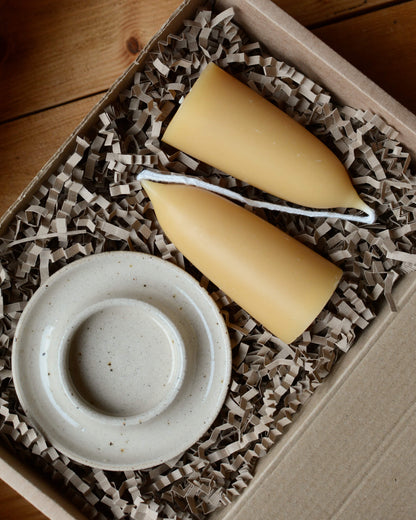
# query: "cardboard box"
{"type": "Point", "coordinates": [350, 452]}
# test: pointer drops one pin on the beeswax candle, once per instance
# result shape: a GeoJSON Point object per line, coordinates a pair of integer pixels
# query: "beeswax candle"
{"type": "Point", "coordinates": [279, 281]}
{"type": "Point", "coordinates": [228, 125]}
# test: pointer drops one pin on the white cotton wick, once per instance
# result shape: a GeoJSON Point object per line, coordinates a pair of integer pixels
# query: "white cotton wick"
{"type": "Point", "coordinates": [151, 175]}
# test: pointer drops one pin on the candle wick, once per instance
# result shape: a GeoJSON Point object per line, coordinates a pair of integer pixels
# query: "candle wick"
{"type": "Point", "coordinates": [156, 176]}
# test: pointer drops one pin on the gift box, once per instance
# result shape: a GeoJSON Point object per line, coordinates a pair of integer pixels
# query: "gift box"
{"type": "Point", "coordinates": [321, 428]}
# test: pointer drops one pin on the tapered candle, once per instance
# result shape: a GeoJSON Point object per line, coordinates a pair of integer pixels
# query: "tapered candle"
{"type": "Point", "coordinates": [228, 125]}
{"type": "Point", "coordinates": [279, 281]}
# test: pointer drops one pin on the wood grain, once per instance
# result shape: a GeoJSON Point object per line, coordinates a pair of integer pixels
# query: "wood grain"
{"type": "Point", "coordinates": [27, 143]}
{"type": "Point", "coordinates": [60, 51]}
{"type": "Point", "coordinates": [13, 507]}
{"type": "Point", "coordinates": [319, 12]}
{"type": "Point", "coordinates": [381, 44]}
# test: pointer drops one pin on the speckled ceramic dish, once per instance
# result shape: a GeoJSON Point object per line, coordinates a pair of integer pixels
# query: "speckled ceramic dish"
{"type": "Point", "coordinates": [121, 360]}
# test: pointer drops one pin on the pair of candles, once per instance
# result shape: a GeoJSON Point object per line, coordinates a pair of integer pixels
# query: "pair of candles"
{"type": "Point", "coordinates": [279, 281]}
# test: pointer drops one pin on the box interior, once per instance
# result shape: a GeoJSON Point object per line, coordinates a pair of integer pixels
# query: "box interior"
{"type": "Point", "coordinates": [349, 451]}
{"type": "Point", "coordinates": [360, 386]}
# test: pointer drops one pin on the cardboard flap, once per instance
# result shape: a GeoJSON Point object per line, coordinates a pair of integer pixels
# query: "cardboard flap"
{"type": "Point", "coordinates": [354, 451]}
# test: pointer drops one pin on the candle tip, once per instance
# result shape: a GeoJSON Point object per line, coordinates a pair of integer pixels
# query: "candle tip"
{"type": "Point", "coordinates": [365, 208]}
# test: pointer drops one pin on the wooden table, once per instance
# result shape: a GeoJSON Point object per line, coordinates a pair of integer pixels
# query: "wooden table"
{"type": "Point", "coordinates": [58, 58]}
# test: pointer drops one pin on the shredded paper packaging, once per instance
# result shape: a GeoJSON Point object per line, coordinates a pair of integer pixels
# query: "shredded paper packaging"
{"type": "Point", "coordinates": [93, 203]}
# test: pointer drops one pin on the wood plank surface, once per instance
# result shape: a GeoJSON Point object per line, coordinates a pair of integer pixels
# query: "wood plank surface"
{"type": "Point", "coordinates": [321, 12]}
{"type": "Point", "coordinates": [381, 44]}
{"type": "Point", "coordinates": [60, 51]}
{"type": "Point", "coordinates": [13, 507]}
{"type": "Point", "coordinates": [56, 59]}
{"type": "Point", "coordinates": [27, 143]}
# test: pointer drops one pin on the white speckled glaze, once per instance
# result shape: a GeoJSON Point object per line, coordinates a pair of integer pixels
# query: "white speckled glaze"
{"type": "Point", "coordinates": [121, 360]}
{"type": "Point", "coordinates": [113, 343]}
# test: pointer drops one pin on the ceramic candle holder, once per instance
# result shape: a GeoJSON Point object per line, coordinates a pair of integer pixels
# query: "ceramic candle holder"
{"type": "Point", "coordinates": [121, 360]}
{"type": "Point", "coordinates": [117, 341]}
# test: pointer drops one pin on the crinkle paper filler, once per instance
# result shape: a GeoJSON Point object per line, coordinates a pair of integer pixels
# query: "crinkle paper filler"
{"type": "Point", "coordinates": [93, 203]}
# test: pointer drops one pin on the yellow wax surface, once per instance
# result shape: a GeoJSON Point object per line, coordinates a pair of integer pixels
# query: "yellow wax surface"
{"type": "Point", "coordinates": [228, 125]}
{"type": "Point", "coordinates": [279, 281]}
